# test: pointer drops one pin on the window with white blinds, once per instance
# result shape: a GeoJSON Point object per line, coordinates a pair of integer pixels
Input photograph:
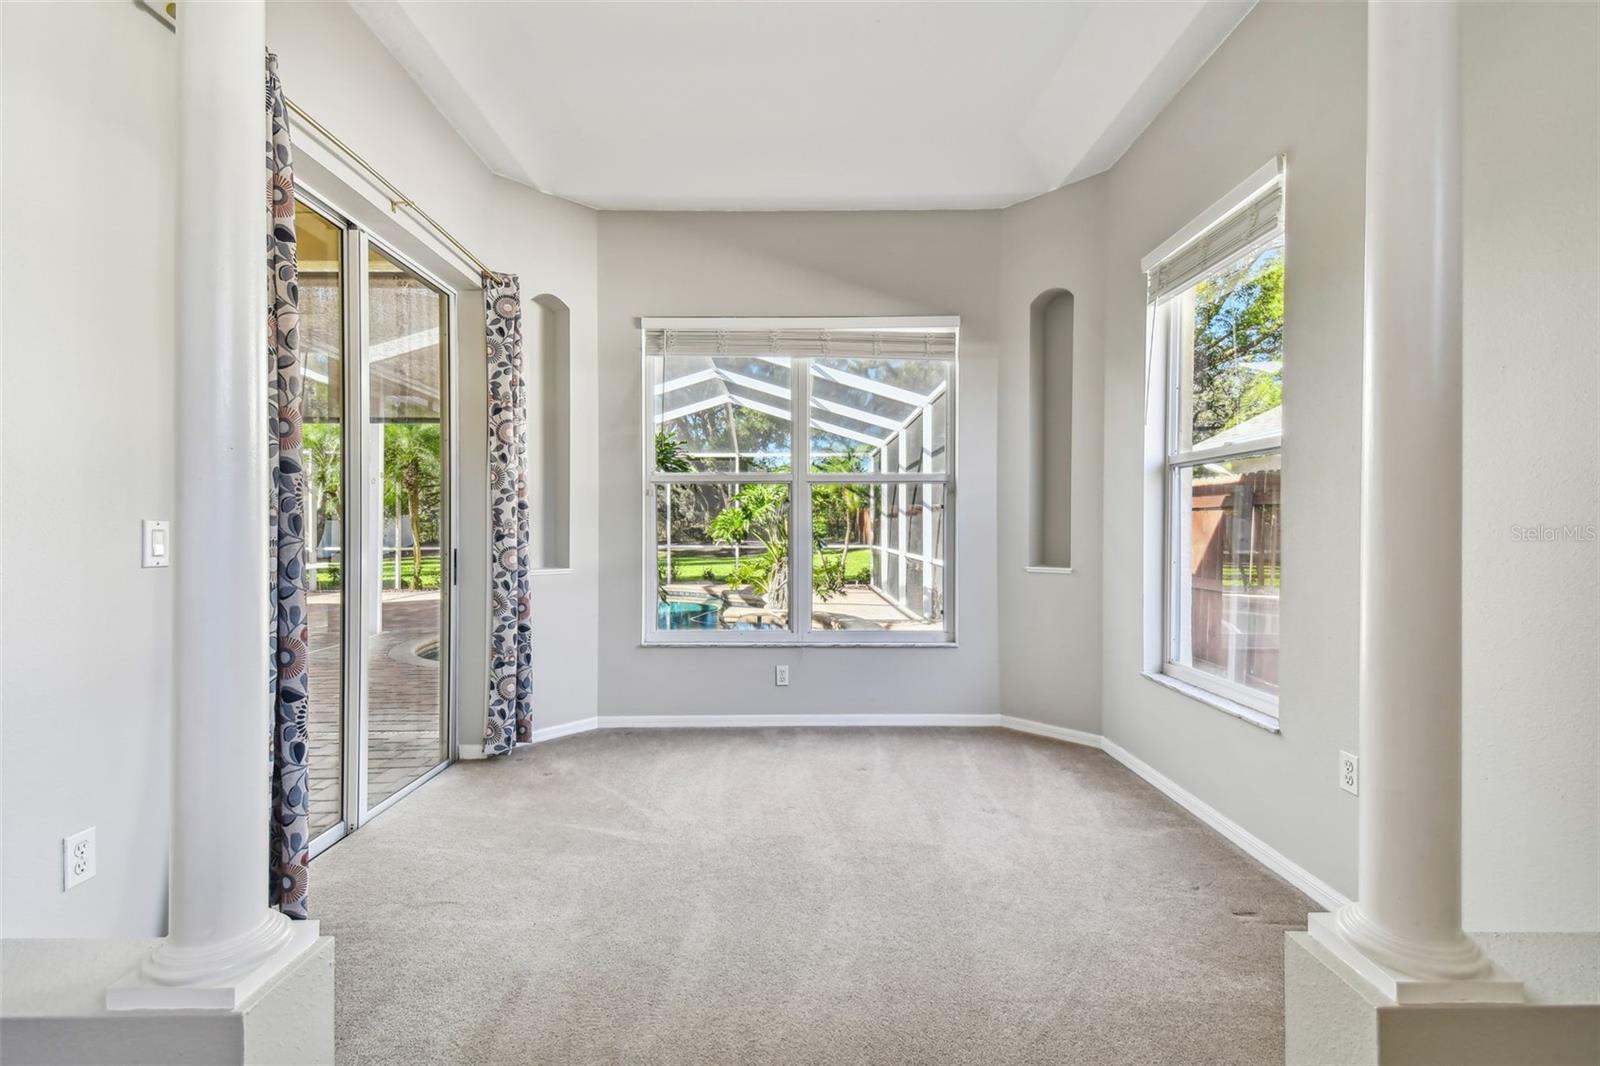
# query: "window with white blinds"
{"type": "Point", "coordinates": [909, 342]}
{"type": "Point", "coordinates": [799, 480]}
{"type": "Point", "coordinates": [1216, 292]}
{"type": "Point", "coordinates": [1246, 218]}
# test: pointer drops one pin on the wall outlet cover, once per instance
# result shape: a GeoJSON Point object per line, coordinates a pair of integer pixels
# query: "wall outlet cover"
{"type": "Point", "coordinates": [1349, 773]}
{"type": "Point", "coordinates": [780, 675]}
{"type": "Point", "coordinates": [77, 858]}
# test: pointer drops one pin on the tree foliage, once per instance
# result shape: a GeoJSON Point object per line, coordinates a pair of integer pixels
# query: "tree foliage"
{"type": "Point", "coordinates": [321, 450]}
{"type": "Point", "coordinates": [761, 511]}
{"type": "Point", "coordinates": [411, 464]}
{"type": "Point", "coordinates": [672, 455]}
{"type": "Point", "coordinates": [836, 507]}
{"type": "Point", "coordinates": [1238, 344]}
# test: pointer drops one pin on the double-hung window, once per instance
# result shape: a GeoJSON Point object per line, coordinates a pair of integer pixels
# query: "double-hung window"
{"type": "Point", "coordinates": [840, 533]}
{"type": "Point", "coordinates": [1216, 301]}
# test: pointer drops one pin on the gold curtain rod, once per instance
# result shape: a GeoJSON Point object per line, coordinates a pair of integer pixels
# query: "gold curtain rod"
{"type": "Point", "coordinates": [397, 199]}
{"type": "Point", "coordinates": [167, 15]}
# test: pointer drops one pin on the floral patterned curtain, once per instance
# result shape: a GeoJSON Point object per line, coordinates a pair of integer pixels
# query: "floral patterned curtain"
{"type": "Point", "coordinates": [510, 719]}
{"type": "Point", "coordinates": [290, 683]}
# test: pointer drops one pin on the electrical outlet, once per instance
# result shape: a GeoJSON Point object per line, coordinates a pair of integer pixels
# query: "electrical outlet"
{"type": "Point", "coordinates": [77, 858]}
{"type": "Point", "coordinates": [780, 676]}
{"type": "Point", "coordinates": [1349, 773]}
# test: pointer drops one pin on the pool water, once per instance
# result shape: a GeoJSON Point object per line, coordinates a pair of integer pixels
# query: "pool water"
{"type": "Point", "coordinates": [681, 614]}
{"type": "Point", "coordinates": [691, 614]}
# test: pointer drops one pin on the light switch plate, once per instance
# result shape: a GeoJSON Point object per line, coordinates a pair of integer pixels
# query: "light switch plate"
{"type": "Point", "coordinates": [155, 539]}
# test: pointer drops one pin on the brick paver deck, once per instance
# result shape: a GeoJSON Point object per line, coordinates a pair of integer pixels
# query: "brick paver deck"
{"type": "Point", "coordinates": [402, 697]}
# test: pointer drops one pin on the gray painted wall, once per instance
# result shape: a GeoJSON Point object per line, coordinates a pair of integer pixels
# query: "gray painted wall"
{"type": "Point", "coordinates": [1050, 623]}
{"type": "Point", "coordinates": [90, 147]}
{"type": "Point", "coordinates": [1531, 641]}
{"type": "Point", "coordinates": [867, 263]}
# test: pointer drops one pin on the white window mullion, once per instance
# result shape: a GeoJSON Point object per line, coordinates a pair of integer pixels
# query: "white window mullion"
{"type": "Point", "coordinates": [902, 527]}
{"type": "Point", "coordinates": [800, 500]}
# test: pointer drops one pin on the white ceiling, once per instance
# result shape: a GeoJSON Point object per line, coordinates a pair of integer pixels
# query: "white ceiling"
{"type": "Point", "coordinates": [772, 106]}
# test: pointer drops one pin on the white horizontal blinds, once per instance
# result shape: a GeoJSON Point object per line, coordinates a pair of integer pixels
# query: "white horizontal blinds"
{"type": "Point", "coordinates": [1253, 223]}
{"type": "Point", "coordinates": [808, 343]}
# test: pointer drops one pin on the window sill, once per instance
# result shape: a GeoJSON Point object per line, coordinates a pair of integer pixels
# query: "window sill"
{"type": "Point", "coordinates": [769, 644]}
{"type": "Point", "coordinates": [1220, 703]}
{"type": "Point", "coordinates": [1048, 569]}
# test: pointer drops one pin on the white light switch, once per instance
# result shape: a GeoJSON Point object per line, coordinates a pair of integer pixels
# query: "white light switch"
{"type": "Point", "coordinates": [156, 539]}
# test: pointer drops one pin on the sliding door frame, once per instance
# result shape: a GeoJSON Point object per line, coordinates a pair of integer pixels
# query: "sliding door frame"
{"type": "Point", "coordinates": [447, 520]}
{"type": "Point", "coordinates": [355, 414]}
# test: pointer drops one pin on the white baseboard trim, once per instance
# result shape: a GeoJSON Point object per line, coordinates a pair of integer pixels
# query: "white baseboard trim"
{"type": "Point", "coordinates": [564, 729]}
{"type": "Point", "coordinates": [1054, 732]}
{"type": "Point", "coordinates": [791, 721]}
{"type": "Point", "coordinates": [1325, 895]}
{"type": "Point", "coordinates": [1319, 890]}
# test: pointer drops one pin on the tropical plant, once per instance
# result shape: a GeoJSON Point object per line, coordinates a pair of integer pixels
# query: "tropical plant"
{"type": "Point", "coordinates": [672, 455]}
{"type": "Point", "coordinates": [761, 511]}
{"type": "Point", "coordinates": [411, 465]}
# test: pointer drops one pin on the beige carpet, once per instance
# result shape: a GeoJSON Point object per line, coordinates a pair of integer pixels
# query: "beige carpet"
{"type": "Point", "coordinates": [801, 896]}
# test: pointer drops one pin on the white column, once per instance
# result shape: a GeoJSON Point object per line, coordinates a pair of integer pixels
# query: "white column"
{"type": "Point", "coordinates": [1407, 918]}
{"type": "Point", "coordinates": [221, 933]}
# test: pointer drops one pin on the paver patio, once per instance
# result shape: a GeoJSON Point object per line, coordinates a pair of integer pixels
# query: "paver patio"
{"type": "Point", "coordinates": [402, 696]}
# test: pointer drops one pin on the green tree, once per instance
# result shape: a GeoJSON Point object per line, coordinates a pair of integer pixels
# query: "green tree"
{"type": "Point", "coordinates": [411, 465]}
{"type": "Point", "coordinates": [1238, 344]}
{"type": "Point", "coordinates": [322, 447]}
{"type": "Point", "coordinates": [836, 506]}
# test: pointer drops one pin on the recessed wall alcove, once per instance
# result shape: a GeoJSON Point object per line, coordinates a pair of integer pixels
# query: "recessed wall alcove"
{"type": "Point", "coordinates": [548, 348]}
{"type": "Point", "coordinates": [1050, 430]}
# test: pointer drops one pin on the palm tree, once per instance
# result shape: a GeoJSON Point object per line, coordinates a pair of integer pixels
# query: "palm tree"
{"type": "Point", "coordinates": [842, 504]}
{"type": "Point", "coordinates": [411, 463]}
{"type": "Point", "coordinates": [322, 443]}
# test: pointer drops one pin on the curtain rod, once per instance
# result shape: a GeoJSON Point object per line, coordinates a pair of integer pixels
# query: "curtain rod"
{"type": "Point", "coordinates": [167, 15]}
{"type": "Point", "coordinates": [397, 199]}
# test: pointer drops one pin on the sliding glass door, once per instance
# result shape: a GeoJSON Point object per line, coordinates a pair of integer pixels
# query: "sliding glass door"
{"type": "Point", "coordinates": [407, 360]}
{"type": "Point", "coordinates": [376, 333]}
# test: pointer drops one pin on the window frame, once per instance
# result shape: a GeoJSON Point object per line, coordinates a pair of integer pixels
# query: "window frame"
{"type": "Point", "coordinates": [800, 479]}
{"type": "Point", "coordinates": [1172, 327]}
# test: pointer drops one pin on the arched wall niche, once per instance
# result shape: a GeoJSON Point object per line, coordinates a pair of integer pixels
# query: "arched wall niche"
{"type": "Point", "coordinates": [547, 349]}
{"type": "Point", "coordinates": [1050, 430]}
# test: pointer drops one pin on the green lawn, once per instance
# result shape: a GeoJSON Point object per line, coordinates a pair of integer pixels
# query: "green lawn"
{"type": "Point", "coordinates": [701, 566]}
{"type": "Point", "coordinates": [328, 574]}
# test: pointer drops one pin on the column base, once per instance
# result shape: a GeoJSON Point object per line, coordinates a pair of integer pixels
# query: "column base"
{"type": "Point", "coordinates": [54, 1012]}
{"type": "Point", "coordinates": [1465, 976]}
{"type": "Point", "coordinates": [214, 978]}
{"type": "Point", "coordinates": [1334, 1017]}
